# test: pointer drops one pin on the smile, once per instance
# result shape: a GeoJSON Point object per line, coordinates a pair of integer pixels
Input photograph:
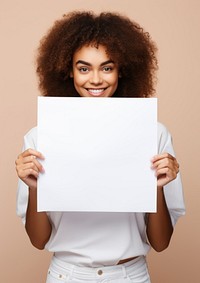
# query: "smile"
{"type": "Point", "coordinates": [96, 91]}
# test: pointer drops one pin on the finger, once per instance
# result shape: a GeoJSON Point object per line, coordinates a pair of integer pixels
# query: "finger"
{"type": "Point", "coordinates": [22, 167]}
{"type": "Point", "coordinates": [171, 174]}
{"type": "Point", "coordinates": [166, 162]}
{"type": "Point", "coordinates": [26, 170]}
{"type": "Point", "coordinates": [33, 152]}
{"type": "Point", "coordinates": [170, 170]}
{"type": "Point", "coordinates": [24, 174]}
{"type": "Point", "coordinates": [30, 165]}
{"type": "Point", "coordinates": [162, 156]}
{"type": "Point", "coordinates": [31, 160]}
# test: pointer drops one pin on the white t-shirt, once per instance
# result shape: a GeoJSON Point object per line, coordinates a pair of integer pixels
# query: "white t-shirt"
{"type": "Point", "coordinates": [96, 238]}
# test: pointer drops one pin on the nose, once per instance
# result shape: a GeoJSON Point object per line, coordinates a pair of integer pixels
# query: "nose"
{"type": "Point", "coordinates": [96, 78]}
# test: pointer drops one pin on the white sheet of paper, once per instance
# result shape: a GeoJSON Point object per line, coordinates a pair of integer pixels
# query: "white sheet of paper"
{"type": "Point", "coordinates": [97, 154]}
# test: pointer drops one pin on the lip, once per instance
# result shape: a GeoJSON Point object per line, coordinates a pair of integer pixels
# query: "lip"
{"type": "Point", "coordinates": [96, 91]}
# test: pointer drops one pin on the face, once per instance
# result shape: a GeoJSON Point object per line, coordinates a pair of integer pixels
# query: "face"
{"type": "Point", "coordinates": [94, 73]}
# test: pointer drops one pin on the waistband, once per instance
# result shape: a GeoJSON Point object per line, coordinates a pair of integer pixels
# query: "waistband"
{"type": "Point", "coordinates": [96, 272]}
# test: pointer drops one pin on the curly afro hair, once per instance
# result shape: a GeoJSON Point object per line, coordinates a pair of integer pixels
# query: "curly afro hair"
{"type": "Point", "coordinates": [125, 41]}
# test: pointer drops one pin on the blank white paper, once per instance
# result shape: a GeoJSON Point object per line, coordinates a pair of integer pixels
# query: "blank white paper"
{"type": "Point", "coordinates": [97, 154]}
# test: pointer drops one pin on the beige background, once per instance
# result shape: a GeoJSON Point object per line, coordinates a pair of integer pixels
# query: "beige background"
{"type": "Point", "coordinates": [175, 26]}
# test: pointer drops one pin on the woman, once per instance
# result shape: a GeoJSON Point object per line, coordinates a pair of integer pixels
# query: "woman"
{"type": "Point", "coordinates": [102, 55]}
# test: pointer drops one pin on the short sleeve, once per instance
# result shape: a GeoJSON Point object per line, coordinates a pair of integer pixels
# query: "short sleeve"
{"type": "Point", "coordinates": [22, 191]}
{"type": "Point", "coordinates": [173, 190]}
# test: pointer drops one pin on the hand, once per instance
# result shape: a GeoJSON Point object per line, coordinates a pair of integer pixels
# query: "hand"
{"type": "Point", "coordinates": [28, 167]}
{"type": "Point", "coordinates": [166, 168]}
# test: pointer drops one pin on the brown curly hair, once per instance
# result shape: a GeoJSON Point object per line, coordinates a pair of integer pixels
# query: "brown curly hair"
{"type": "Point", "coordinates": [126, 43]}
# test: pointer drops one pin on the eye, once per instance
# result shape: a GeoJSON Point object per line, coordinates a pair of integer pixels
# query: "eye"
{"type": "Point", "coordinates": [83, 69]}
{"type": "Point", "coordinates": [107, 69]}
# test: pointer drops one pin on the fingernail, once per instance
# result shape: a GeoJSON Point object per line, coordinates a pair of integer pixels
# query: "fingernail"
{"type": "Point", "coordinates": [42, 156]}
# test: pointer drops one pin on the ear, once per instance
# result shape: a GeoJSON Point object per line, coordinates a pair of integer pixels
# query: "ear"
{"type": "Point", "coordinates": [71, 75]}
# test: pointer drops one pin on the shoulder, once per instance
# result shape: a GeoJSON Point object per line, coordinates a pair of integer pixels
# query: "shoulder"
{"type": "Point", "coordinates": [31, 133]}
{"type": "Point", "coordinates": [164, 139]}
{"type": "Point", "coordinates": [162, 130]}
{"type": "Point", "coordinates": [30, 138]}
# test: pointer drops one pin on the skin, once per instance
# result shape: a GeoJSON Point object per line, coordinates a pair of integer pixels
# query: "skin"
{"type": "Point", "coordinates": [37, 224]}
{"type": "Point", "coordinates": [96, 75]}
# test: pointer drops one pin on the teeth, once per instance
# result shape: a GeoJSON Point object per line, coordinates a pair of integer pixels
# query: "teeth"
{"type": "Point", "coordinates": [96, 91]}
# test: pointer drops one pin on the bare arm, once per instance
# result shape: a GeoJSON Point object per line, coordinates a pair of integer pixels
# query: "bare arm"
{"type": "Point", "coordinates": [159, 226]}
{"type": "Point", "coordinates": [38, 226]}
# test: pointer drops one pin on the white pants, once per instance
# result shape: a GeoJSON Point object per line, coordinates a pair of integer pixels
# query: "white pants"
{"type": "Point", "coordinates": [134, 271]}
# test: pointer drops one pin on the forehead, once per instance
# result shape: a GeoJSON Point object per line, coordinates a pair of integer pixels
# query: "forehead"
{"type": "Point", "coordinates": [91, 53]}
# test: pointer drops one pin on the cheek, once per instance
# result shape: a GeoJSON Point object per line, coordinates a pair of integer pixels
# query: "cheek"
{"type": "Point", "coordinates": [78, 81]}
{"type": "Point", "coordinates": [78, 78]}
{"type": "Point", "coordinates": [113, 85]}
{"type": "Point", "coordinates": [114, 80]}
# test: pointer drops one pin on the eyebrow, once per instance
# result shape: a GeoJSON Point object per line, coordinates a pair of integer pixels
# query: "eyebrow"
{"type": "Point", "coordinates": [88, 64]}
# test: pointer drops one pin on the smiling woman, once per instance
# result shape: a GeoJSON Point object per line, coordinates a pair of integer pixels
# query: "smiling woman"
{"type": "Point", "coordinates": [104, 55]}
{"type": "Point", "coordinates": [124, 42]}
{"type": "Point", "coordinates": [94, 73]}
